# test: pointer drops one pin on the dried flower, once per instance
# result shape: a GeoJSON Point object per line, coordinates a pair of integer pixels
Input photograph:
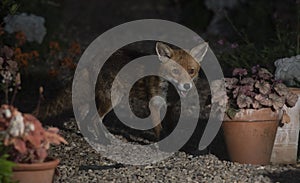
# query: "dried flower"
{"type": "Point", "coordinates": [285, 117]}
{"type": "Point", "coordinates": [34, 54]}
{"type": "Point", "coordinates": [53, 72]}
{"type": "Point", "coordinates": [41, 90]}
{"type": "Point", "coordinates": [53, 45]}
{"type": "Point", "coordinates": [21, 37]}
{"type": "Point", "coordinates": [18, 79]}
{"type": "Point", "coordinates": [75, 48]}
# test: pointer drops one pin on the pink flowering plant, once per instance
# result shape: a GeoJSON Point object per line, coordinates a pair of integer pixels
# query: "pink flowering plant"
{"type": "Point", "coordinates": [25, 139]}
{"type": "Point", "coordinates": [252, 90]}
{"type": "Point", "coordinates": [22, 136]}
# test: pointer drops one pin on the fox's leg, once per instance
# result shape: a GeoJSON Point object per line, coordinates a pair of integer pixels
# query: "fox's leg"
{"type": "Point", "coordinates": [155, 106]}
{"type": "Point", "coordinates": [106, 100]}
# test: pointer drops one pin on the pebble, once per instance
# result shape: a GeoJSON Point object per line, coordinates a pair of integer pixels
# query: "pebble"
{"type": "Point", "coordinates": [81, 163]}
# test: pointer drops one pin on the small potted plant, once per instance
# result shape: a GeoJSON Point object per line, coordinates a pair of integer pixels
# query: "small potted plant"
{"type": "Point", "coordinates": [27, 143]}
{"type": "Point", "coordinates": [22, 136]}
{"type": "Point", "coordinates": [254, 102]}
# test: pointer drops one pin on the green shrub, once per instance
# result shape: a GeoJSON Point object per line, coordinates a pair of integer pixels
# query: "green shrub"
{"type": "Point", "coordinates": [5, 169]}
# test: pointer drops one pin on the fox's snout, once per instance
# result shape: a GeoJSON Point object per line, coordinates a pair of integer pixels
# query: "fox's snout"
{"type": "Point", "coordinates": [185, 86]}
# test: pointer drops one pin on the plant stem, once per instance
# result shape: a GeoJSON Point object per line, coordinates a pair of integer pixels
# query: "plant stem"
{"type": "Point", "coordinates": [243, 37]}
{"type": "Point", "coordinates": [41, 98]}
{"type": "Point", "coordinates": [6, 92]}
{"type": "Point", "coordinates": [14, 95]}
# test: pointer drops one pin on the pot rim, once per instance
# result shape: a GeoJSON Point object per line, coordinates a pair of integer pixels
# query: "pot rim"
{"type": "Point", "coordinates": [255, 115]}
{"type": "Point", "coordinates": [294, 90]}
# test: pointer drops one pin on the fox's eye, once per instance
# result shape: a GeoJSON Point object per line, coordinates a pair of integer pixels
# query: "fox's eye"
{"type": "Point", "coordinates": [191, 71]}
{"type": "Point", "coordinates": [175, 71]}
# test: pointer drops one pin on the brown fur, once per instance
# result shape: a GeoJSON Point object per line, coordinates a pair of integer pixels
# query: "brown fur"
{"type": "Point", "coordinates": [145, 89]}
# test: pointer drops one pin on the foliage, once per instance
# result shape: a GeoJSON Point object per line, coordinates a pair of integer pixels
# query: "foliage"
{"type": "Point", "coordinates": [25, 137]}
{"type": "Point", "coordinates": [20, 51]}
{"type": "Point", "coordinates": [264, 31]}
{"type": "Point", "coordinates": [8, 7]}
{"type": "Point", "coordinates": [5, 168]}
{"type": "Point", "coordinates": [254, 90]}
{"type": "Point", "coordinates": [246, 55]}
{"type": "Point", "coordinates": [9, 75]}
{"type": "Point", "coordinates": [58, 62]}
{"type": "Point", "coordinates": [22, 135]}
{"type": "Point", "coordinates": [61, 61]}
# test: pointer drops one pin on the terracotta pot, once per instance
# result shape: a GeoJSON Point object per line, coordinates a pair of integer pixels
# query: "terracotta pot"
{"type": "Point", "coordinates": [250, 135]}
{"type": "Point", "coordinates": [36, 172]}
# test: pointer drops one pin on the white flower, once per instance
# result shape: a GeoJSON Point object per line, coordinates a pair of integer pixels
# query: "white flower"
{"type": "Point", "coordinates": [29, 127]}
{"type": "Point", "coordinates": [6, 113]}
{"type": "Point", "coordinates": [17, 126]}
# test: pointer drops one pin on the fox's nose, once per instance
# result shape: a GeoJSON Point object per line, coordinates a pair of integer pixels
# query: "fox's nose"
{"type": "Point", "coordinates": [187, 86]}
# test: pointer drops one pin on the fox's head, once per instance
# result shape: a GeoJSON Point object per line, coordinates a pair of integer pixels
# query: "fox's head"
{"type": "Point", "coordinates": [189, 61]}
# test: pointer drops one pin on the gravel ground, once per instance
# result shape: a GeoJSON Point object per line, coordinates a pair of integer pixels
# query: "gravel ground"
{"type": "Point", "coordinates": [81, 163]}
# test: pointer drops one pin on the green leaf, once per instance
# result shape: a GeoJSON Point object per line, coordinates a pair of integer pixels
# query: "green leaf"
{"type": "Point", "coordinates": [13, 9]}
{"type": "Point", "coordinates": [6, 169]}
{"type": "Point", "coordinates": [231, 112]}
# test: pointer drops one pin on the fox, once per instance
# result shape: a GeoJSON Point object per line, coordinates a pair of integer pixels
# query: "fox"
{"type": "Point", "coordinates": [180, 75]}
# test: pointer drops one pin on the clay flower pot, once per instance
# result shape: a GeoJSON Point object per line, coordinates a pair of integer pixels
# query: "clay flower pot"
{"type": "Point", "coordinates": [35, 172]}
{"type": "Point", "coordinates": [250, 135]}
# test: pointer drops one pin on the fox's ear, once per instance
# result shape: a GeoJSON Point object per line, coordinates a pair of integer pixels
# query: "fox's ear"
{"type": "Point", "coordinates": [163, 51]}
{"type": "Point", "coordinates": [199, 51]}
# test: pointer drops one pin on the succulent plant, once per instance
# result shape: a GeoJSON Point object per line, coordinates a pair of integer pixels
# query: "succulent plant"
{"type": "Point", "coordinates": [27, 141]}
{"type": "Point", "coordinates": [254, 90]}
